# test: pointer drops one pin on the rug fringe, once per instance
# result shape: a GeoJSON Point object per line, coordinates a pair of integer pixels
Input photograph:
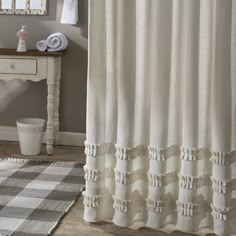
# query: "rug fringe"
{"type": "Point", "coordinates": [25, 160]}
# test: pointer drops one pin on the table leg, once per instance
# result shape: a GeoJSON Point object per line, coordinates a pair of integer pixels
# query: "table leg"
{"type": "Point", "coordinates": [50, 124]}
{"type": "Point", "coordinates": [56, 111]}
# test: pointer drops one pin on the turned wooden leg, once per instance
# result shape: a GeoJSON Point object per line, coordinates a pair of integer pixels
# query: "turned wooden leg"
{"type": "Point", "coordinates": [53, 82]}
{"type": "Point", "coordinates": [56, 112]}
{"type": "Point", "coordinates": [50, 124]}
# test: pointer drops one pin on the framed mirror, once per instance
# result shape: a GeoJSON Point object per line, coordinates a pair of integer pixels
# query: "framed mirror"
{"type": "Point", "coordinates": [24, 7]}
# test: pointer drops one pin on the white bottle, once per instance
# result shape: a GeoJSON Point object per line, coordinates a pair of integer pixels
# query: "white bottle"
{"type": "Point", "coordinates": [22, 34]}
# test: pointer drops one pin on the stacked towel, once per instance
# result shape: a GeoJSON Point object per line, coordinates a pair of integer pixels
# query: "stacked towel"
{"type": "Point", "coordinates": [70, 12]}
{"type": "Point", "coordinates": [54, 42]}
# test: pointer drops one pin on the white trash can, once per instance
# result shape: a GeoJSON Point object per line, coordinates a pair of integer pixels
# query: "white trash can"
{"type": "Point", "coordinates": [30, 132]}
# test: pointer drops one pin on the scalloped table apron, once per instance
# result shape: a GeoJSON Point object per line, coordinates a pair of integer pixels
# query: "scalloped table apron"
{"type": "Point", "coordinates": [161, 115]}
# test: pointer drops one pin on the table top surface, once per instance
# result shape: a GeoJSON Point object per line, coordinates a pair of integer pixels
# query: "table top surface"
{"type": "Point", "coordinates": [30, 52]}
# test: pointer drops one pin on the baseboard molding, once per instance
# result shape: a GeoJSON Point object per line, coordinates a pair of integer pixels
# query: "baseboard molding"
{"type": "Point", "coordinates": [8, 133]}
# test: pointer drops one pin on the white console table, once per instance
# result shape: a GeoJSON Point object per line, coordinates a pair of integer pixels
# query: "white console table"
{"type": "Point", "coordinates": [36, 66]}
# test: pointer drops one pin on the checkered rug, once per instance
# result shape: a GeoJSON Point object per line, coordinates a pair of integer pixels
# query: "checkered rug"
{"type": "Point", "coordinates": [35, 195]}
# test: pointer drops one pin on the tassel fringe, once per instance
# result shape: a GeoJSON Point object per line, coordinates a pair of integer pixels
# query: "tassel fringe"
{"type": "Point", "coordinates": [157, 154]}
{"type": "Point", "coordinates": [121, 205]}
{"type": "Point", "coordinates": [188, 182]}
{"type": "Point", "coordinates": [154, 206]}
{"type": "Point", "coordinates": [220, 158]}
{"type": "Point", "coordinates": [156, 180]}
{"type": "Point", "coordinates": [92, 175]}
{"type": "Point", "coordinates": [188, 154]}
{"type": "Point", "coordinates": [220, 186]}
{"type": "Point", "coordinates": [92, 201]}
{"type": "Point", "coordinates": [219, 213]}
{"type": "Point", "coordinates": [186, 209]}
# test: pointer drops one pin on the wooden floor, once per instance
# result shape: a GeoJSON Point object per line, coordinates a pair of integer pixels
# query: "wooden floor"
{"type": "Point", "coordinates": [73, 224]}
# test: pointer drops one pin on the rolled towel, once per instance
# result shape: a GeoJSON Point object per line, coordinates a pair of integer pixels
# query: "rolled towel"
{"type": "Point", "coordinates": [57, 42]}
{"type": "Point", "coordinates": [42, 45]}
{"type": "Point", "coordinates": [70, 12]}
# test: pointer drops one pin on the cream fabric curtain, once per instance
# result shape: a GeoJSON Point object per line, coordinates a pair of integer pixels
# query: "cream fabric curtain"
{"type": "Point", "coordinates": [161, 115]}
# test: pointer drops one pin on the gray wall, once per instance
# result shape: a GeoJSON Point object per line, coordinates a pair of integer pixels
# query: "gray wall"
{"type": "Point", "coordinates": [27, 99]}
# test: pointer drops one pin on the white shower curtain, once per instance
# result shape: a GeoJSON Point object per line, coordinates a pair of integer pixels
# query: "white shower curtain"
{"type": "Point", "coordinates": [161, 115]}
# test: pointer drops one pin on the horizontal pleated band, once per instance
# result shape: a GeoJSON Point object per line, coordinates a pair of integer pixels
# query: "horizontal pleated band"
{"type": "Point", "coordinates": [158, 207]}
{"type": "Point", "coordinates": [160, 180]}
{"type": "Point", "coordinates": [160, 154]}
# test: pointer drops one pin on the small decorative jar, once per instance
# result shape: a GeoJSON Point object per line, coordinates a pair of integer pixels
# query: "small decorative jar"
{"type": "Point", "coordinates": [21, 35]}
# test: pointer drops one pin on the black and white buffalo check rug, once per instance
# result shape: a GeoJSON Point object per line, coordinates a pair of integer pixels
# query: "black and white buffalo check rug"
{"type": "Point", "coordinates": [34, 196]}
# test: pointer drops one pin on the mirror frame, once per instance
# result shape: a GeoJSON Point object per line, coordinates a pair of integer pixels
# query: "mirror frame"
{"type": "Point", "coordinates": [27, 11]}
